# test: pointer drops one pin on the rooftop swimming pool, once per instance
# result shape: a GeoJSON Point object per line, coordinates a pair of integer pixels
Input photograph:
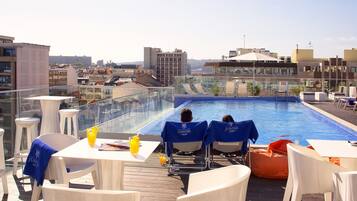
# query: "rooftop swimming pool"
{"type": "Point", "coordinates": [274, 119]}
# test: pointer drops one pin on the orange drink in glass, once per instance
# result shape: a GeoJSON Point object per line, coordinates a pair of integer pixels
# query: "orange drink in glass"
{"type": "Point", "coordinates": [134, 144]}
{"type": "Point", "coordinates": [92, 136]}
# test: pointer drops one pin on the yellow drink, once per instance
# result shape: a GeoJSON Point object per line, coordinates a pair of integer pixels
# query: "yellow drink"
{"type": "Point", "coordinates": [134, 145]}
{"type": "Point", "coordinates": [92, 136]}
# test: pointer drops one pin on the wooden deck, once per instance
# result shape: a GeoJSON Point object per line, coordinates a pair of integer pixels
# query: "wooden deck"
{"type": "Point", "coordinates": [152, 181]}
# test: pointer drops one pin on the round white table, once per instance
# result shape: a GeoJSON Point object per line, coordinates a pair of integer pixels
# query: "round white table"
{"type": "Point", "coordinates": [50, 107]}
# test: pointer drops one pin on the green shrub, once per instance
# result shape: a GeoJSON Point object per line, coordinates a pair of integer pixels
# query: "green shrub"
{"type": "Point", "coordinates": [215, 89]}
{"type": "Point", "coordinates": [253, 90]}
{"type": "Point", "coordinates": [296, 90]}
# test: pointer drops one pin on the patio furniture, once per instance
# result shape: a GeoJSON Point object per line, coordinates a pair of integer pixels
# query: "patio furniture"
{"type": "Point", "coordinates": [60, 193]}
{"type": "Point", "coordinates": [223, 184]}
{"type": "Point", "coordinates": [341, 149]}
{"type": "Point", "coordinates": [188, 89]}
{"type": "Point", "coordinates": [110, 164]}
{"type": "Point", "coordinates": [31, 127]}
{"type": "Point", "coordinates": [50, 107]}
{"type": "Point", "coordinates": [320, 96]}
{"type": "Point", "coordinates": [347, 102]}
{"type": "Point", "coordinates": [334, 95]}
{"type": "Point", "coordinates": [2, 163]}
{"type": "Point", "coordinates": [230, 138]}
{"type": "Point", "coordinates": [64, 169]}
{"type": "Point", "coordinates": [352, 92]}
{"type": "Point", "coordinates": [307, 96]}
{"type": "Point", "coordinates": [69, 116]}
{"type": "Point", "coordinates": [308, 173]}
{"type": "Point", "coordinates": [230, 88]}
{"type": "Point", "coordinates": [200, 89]}
{"type": "Point", "coordinates": [187, 138]}
{"type": "Point", "coordinates": [344, 186]}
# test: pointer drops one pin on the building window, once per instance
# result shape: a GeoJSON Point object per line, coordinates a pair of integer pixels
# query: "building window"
{"type": "Point", "coordinates": [354, 69]}
{"type": "Point", "coordinates": [10, 52]}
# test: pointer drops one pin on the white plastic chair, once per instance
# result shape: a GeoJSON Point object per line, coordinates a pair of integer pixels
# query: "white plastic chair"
{"type": "Point", "coordinates": [223, 184]}
{"type": "Point", "coordinates": [308, 173]}
{"type": "Point", "coordinates": [61, 193]}
{"type": "Point", "coordinates": [344, 186]}
{"type": "Point", "coordinates": [57, 167]}
{"type": "Point", "coordinates": [2, 163]}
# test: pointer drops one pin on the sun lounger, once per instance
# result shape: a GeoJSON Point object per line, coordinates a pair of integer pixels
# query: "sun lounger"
{"type": "Point", "coordinates": [188, 89]}
{"type": "Point", "coordinates": [347, 102]}
{"type": "Point", "coordinates": [200, 89]}
{"type": "Point", "coordinates": [230, 138]}
{"type": "Point", "coordinates": [188, 139]}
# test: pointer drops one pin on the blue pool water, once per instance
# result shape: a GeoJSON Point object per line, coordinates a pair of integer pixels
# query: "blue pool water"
{"type": "Point", "coordinates": [274, 120]}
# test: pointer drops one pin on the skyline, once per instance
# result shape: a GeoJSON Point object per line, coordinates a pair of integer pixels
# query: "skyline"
{"type": "Point", "coordinates": [118, 31]}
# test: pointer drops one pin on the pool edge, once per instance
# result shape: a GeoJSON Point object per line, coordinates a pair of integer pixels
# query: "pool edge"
{"type": "Point", "coordinates": [331, 116]}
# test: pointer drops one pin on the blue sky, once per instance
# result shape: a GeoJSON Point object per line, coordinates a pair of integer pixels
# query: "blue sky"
{"type": "Point", "coordinates": [119, 29]}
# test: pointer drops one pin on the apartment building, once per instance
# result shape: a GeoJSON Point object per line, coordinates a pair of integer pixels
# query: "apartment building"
{"type": "Point", "coordinates": [62, 75]}
{"type": "Point", "coordinates": [328, 72]}
{"type": "Point", "coordinates": [93, 93]}
{"type": "Point", "coordinates": [22, 66]}
{"type": "Point", "coordinates": [165, 65]}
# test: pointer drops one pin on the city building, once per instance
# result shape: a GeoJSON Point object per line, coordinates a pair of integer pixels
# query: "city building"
{"type": "Point", "coordinates": [93, 93]}
{"type": "Point", "coordinates": [73, 60]}
{"type": "Point", "coordinates": [165, 65]}
{"type": "Point", "coordinates": [256, 65]}
{"type": "Point", "coordinates": [326, 72]}
{"type": "Point", "coordinates": [22, 66]}
{"type": "Point", "coordinates": [61, 75]}
{"type": "Point", "coordinates": [100, 62]}
{"type": "Point", "coordinates": [241, 51]}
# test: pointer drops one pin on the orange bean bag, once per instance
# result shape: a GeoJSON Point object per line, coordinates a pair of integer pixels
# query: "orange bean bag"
{"type": "Point", "coordinates": [269, 165]}
{"type": "Point", "coordinates": [279, 147]}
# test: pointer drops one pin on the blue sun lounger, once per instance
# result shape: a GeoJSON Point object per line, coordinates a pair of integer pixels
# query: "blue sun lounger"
{"type": "Point", "coordinates": [230, 138]}
{"type": "Point", "coordinates": [188, 138]}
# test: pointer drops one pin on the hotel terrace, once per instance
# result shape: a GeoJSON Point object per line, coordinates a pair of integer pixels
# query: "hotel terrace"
{"type": "Point", "coordinates": [136, 142]}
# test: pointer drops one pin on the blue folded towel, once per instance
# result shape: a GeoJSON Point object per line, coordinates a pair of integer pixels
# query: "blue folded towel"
{"type": "Point", "coordinates": [175, 132]}
{"type": "Point", "coordinates": [232, 132]}
{"type": "Point", "coordinates": [37, 160]}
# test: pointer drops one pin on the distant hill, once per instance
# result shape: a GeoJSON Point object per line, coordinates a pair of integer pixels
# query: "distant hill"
{"type": "Point", "coordinates": [197, 65]}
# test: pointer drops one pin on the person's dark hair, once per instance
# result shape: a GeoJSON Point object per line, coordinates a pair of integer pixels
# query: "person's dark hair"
{"type": "Point", "coordinates": [186, 115]}
{"type": "Point", "coordinates": [227, 118]}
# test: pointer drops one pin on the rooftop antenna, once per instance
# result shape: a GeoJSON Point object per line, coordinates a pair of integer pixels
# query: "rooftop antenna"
{"type": "Point", "coordinates": [297, 48]}
{"type": "Point", "coordinates": [243, 40]}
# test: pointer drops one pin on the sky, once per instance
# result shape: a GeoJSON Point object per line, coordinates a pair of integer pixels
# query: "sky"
{"type": "Point", "coordinates": [117, 30]}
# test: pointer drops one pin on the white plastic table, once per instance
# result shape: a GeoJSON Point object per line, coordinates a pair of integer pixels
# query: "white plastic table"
{"type": "Point", "coordinates": [337, 148]}
{"type": "Point", "coordinates": [110, 163]}
{"type": "Point", "coordinates": [50, 107]}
